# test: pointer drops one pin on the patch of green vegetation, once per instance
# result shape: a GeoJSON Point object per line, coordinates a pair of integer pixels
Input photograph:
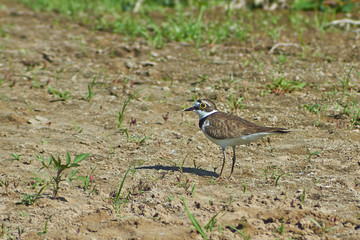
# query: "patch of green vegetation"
{"type": "Point", "coordinates": [311, 154]}
{"type": "Point", "coordinates": [315, 108]}
{"type": "Point", "coordinates": [60, 95]}
{"type": "Point", "coordinates": [343, 100]}
{"type": "Point", "coordinates": [280, 85]}
{"type": "Point", "coordinates": [272, 173]}
{"type": "Point", "coordinates": [29, 199]}
{"type": "Point", "coordinates": [236, 103]}
{"type": "Point", "coordinates": [15, 156]}
{"type": "Point", "coordinates": [59, 167]}
{"type": "Point", "coordinates": [194, 22]}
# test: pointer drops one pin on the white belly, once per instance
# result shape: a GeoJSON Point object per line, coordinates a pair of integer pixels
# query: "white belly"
{"type": "Point", "coordinates": [241, 140]}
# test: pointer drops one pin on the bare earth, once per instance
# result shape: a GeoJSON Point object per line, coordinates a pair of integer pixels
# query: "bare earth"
{"type": "Point", "coordinates": [38, 50]}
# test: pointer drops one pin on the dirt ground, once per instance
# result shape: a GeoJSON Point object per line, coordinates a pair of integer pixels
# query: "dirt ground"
{"type": "Point", "coordinates": [41, 50]}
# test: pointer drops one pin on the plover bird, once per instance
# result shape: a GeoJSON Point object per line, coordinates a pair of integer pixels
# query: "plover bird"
{"type": "Point", "coordinates": [226, 129]}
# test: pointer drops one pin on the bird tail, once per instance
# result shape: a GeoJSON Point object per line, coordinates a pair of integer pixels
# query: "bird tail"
{"type": "Point", "coordinates": [280, 130]}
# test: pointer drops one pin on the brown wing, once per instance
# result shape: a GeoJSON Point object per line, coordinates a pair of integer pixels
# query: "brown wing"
{"type": "Point", "coordinates": [223, 125]}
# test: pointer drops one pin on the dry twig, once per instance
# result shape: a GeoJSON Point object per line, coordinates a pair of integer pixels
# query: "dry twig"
{"type": "Point", "coordinates": [343, 22]}
{"type": "Point", "coordinates": [282, 44]}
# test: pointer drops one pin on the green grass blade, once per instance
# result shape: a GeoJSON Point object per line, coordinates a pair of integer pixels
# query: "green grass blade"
{"type": "Point", "coordinates": [314, 221]}
{"type": "Point", "coordinates": [193, 220]}
{"type": "Point", "coordinates": [211, 223]}
{"type": "Point", "coordinates": [240, 232]}
{"type": "Point", "coordinates": [121, 185]}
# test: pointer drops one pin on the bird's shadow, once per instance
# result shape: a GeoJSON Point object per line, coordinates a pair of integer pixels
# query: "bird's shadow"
{"type": "Point", "coordinates": [196, 171]}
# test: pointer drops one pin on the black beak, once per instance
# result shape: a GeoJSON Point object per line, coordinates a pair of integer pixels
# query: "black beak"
{"type": "Point", "coordinates": [189, 109]}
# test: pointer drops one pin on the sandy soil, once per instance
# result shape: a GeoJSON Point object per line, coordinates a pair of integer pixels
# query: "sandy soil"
{"type": "Point", "coordinates": [39, 50]}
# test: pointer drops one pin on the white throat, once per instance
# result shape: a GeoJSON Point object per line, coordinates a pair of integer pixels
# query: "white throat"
{"type": "Point", "coordinates": [203, 114]}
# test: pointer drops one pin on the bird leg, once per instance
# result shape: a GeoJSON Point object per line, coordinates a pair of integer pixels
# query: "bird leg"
{"type": "Point", "coordinates": [233, 160]}
{"type": "Point", "coordinates": [222, 168]}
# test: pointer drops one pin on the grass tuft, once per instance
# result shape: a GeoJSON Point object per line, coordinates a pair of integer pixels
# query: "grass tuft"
{"type": "Point", "coordinates": [193, 219]}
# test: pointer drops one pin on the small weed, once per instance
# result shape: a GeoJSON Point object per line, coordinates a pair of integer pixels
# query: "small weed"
{"type": "Point", "coordinates": [132, 122]}
{"type": "Point", "coordinates": [4, 232]}
{"type": "Point", "coordinates": [193, 190]}
{"type": "Point", "coordinates": [139, 141]}
{"type": "Point", "coordinates": [6, 184]}
{"type": "Point", "coordinates": [236, 103]}
{"type": "Point", "coordinates": [15, 156]}
{"type": "Point", "coordinates": [231, 200]}
{"type": "Point", "coordinates": [171, 198]}
{"type": "Point", "coordinates": [59, 168]}
{"type": "Point", "coordinates": [193, 220]}
{"type": "Point", "coordinates": [29, 106]}
{"type": "Point", "coordinates": [242, 232]}
{"type": "Point", "coordinates": [277, 176]}
{"type": "Point", "coordinates": [213, 181]}
{"type": "Point", "coordinates": [197, 167]}
{"type": "Point", "coordinates": [43, 142]}
{"type": "Point", "coordinates": [88, 182]}
{"type": "Point", "coordinates": [118, 199]}
{"type": "Point", "coordinates": [36, 84]}
{"type": "Point", "coordinates": [281, 229]}
{"type": "Point", "coordinates": [121, 115]}
{"type": "Point", "coordinates": [315, 108]}
{"type": "Point", "coordinates": [266, 174]}
{"type": "Point", "coordinates": [90, 94]}
{"type": "Point", "coordinates": [62, 96]}
{"type": "Point", "coordinates": [178, 164]}
{"type": "Point", "coordinates": [322, 227]}
{"type": "Point", "coordinates": [303, 196]}
{"type": "Point", "coordinates": [37, 181]}
{"type": "Point", "coordinates": [202, 78]}
{"type": "Point", "coordinates": [311, 154]}
{"type": "Point", "coordinates": [139, 189]}
{"type": "Point", "coordinates": [345, 84]}
{"type": "Point", "coordinates": [77, 128]}
{"type": "Point", "coordinates": [166, 117]}
{"type": "Point", "coordinates": [282, 58]}
{"type": "Point", "coordinates": [30, 199]}
{"type": "Point", "coordinates": [211, 224]}
{"type": "Point", "coordinates": [354, 113]}
{"type": "Point", "coordinates": [281, 86]}
{"type": "Point", "coordinates": [20, 231]}
{"type": "Point", "coordinates": [258, 64]}
{"type": "Point", "coordinates": [185, 184]}
{"type": "Point", "coordinates": [274, 174]}
{"type": "Point", "coordinates": [45, 227]}
{"type": "Point", "coordinates": [112, 151]}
